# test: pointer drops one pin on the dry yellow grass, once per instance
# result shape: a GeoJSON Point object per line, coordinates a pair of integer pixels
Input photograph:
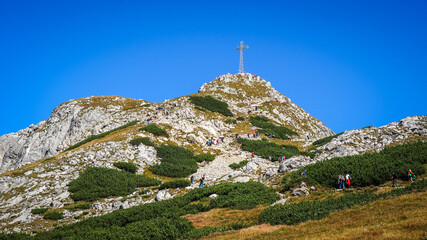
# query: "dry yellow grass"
{"type": "Point", "coordinates": [223, 217]}
{"type": "Point", "coordinates": [403, 217]}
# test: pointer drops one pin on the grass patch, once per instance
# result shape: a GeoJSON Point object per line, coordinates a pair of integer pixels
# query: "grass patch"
{"type": "Point", "coordinates": [97, 182]}
{"type": "Point", "coordinates": [126, 166]}
{"type": "Point", "coordinates": [235, 166]}
{"type": "Point", "coordinates": [264, 148]}
{"type": "Point", "coordinates": [269, 128]}
{"type": "Point", "coordinates": [366, 169]}
{"type": "Point", "coordinates": [98, 136]}
{"type": "Point", "coordinates": [154, 129]}
{"type": "Point", "coordinates": [212, 105]}
{"type": "Point", "coordinates": [295, 213]}
{"type": "Point", "coordinates": [176, 162]}
{"type": "Point", "coordinates": [178, 183]}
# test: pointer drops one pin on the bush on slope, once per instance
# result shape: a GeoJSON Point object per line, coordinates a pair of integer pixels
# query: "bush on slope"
{"type": "Point", "coordinates": [366, 169]}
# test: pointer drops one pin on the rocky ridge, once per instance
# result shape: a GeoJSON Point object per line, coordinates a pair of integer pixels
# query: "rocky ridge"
{"type": "Point", "coordinates": [36, 171]}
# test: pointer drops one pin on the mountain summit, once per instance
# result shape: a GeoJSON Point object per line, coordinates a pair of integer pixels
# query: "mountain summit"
{"type": "Point", "coordinates": [246, 95]}
{"type": "Point", "coordinates": [236, 128]}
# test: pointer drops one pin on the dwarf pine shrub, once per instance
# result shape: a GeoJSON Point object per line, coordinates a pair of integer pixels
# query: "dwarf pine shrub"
{"type": "Point", "coordinates": [204, 157]}
{"type": "Point", "coordinates": [97, 182]}
{"type": "Point", "coordinates": [54, 215]}
{"type": "Point", "coordinates": [144, 140]}
{"type": "Point", "coordinates": [161, 220]}
{"type": "Point", "coordinates": [270, 128]}
{"type": "Point", "coordinates": [365, 169]}
{"type": "Point", "coordinates": [235, 166]}
{"type": "Point", "coordinates": [176, 162]}
{"type": "Point", "coordinates": [295, 213]}
{"type": "Point", "coordinates": [126, 166]}
{"type": "Point", "coordinates": [212, 105]}
{"type": "Point", "coordinates": [39, 210]}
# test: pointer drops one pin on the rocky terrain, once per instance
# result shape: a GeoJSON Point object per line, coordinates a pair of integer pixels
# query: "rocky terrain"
{"type": "Point", "coordinates": [35, 170]}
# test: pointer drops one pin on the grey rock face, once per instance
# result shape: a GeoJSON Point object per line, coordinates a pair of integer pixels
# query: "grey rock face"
{"type": "Point", "coordinates": [68, 124]}
{"type": "Point", "coordinates": [298, 192]}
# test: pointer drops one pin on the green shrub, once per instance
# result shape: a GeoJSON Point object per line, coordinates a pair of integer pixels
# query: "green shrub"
{"type": "Point", "coordinates": [39, 210]}
{"type": "Point", "coordinates": [101, 135]}
{"type": "Point", "coordinates": [366, 169]}
{"type": "Point", "coordinates": [240, 119]}
{"type": "Point", "coordinates": [264, 148]}
{"type": "Point", "coordinates": [325, 140]}
{"type": "Point", "coordinates": [269, 128]}
{"type": "Point", "coordinates": [235, 166]}
{"type": "Point", "coordinates": [295, 213]}
{"type": "Point", "coordinates": [54, 215]}
{"type": "Point", "coordinates": [212, 105]}
{"type": "Point", "coordinates": [154, 129]}
{"type": "Point", "coordinates": [144, 140]}
{"type": "Point", "coordinates": [178, 183]}
{"type": "Point", "coordinates": [97, 182]}
{"type": "Point", "coordinates": [176, 162]}
{"type": "Point", "coordinates": [128, 167]}
{"type": "Point", "coordinates": [161, 220]}
{"type": "Point", "coordinates": [14, 236]}
{"type": "Point", "coordinates": [204, 157]}
{"type": "Point", "coordinates": [82, 206]}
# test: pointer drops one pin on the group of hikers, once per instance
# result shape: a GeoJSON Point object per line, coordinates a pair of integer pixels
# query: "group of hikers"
{"type": "Point", "coordinates": [279, 159]}
{"type": "Point", "coordinates": [201, 180]}
{"type": "Point", "coordinates": [411, 177]}
{"type": "Point", "coordinates": [345, 180]}
{"type": "Point", "coordinates": [213, 141]}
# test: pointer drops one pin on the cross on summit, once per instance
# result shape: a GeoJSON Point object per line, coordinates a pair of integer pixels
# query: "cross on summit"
{"type": "Point", "coordinates": [241, 47]}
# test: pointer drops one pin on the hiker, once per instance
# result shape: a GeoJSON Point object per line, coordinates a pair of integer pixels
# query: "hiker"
{"type": "Point", "coordinates": [304, 173]}
{"type": "Point", "coordinates": [394, 178]}
{"type": "Point", "coordinates": [269, 158]}
{"type": "Point", "coordinates": [192, 179]}
{"type": "Point", "coordinates": [411, 175]}
{"type": "Point", "coordinates": [253, 155]}
{"type": "Point", "coordinates": [202, 180]}
{"type": "Point", "coordinates": [341, 181]}
{"type": "Point", "coordinates": [347, 180]}
{"type": "Point", "coordinates": [253, 132]}
{"type": "Point", "coordinates": [283, 158]}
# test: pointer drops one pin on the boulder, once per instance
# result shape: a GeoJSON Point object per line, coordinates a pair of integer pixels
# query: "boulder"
{"type": "Point", "coordinates": [298, 192]}
{"type": "Point", "coordinates": [163, 195]}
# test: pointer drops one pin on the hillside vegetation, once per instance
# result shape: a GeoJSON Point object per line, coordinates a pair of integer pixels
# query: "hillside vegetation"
{"type": "Point", "coordinates": [97, 182]}
{"type": "Point", "coordinates": [212, 105]}
{"type": "Point", "coordinates": [366, 169]}
{"type": "Point", "coordinates": [161, 220]}
{"type": "Point", "coordinates": [176, 162]}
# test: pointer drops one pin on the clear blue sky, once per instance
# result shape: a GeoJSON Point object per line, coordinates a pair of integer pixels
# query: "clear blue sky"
{"type": "Point", "coordinates": [348, 63]}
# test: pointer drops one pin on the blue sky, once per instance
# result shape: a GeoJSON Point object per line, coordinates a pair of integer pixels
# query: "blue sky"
{"type": "Point", "coordinates": [350, 64]}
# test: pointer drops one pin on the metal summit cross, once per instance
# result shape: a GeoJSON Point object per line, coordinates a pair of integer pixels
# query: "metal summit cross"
{"type": "Point", "coordinates": [241, 47]}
